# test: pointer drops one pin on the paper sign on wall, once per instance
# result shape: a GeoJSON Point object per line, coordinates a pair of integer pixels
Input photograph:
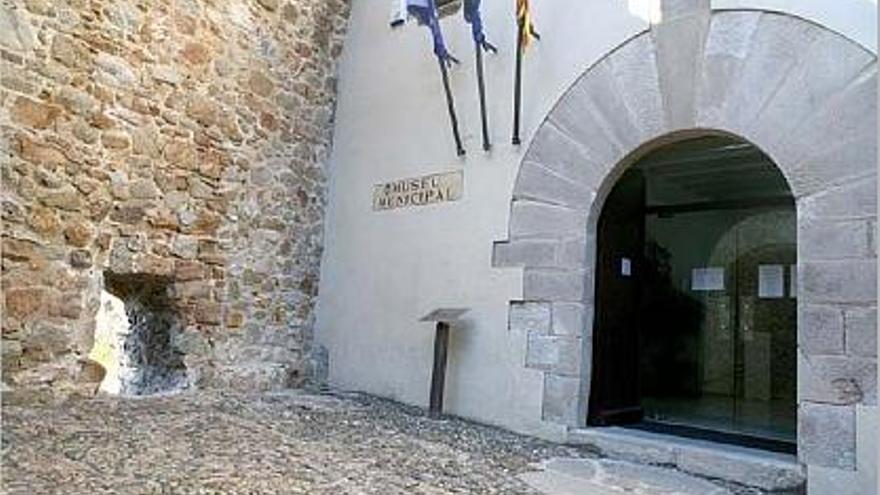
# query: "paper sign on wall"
{"type": "Point", "coordinates": [771, 281]}
{"type": "Point", "coordinates": [707, 279]}
{"type": "Point", "coordinates": [625, 267]}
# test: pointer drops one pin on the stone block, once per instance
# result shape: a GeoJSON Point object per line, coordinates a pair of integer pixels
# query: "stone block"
{"type": "Point", "coordinates": [670, 9]}
{"type": "Point", "coordinates": [850, 281]}
{"type": "Point", "coordinates": [680, 44]}
{"type": "Point", "coordinates": [561, 154]}
{"type": "Point", "coordinates": [15, 33]}
{"type": "Point", "coordinates": [251, 378]}
{"type": "Point", "coordinates": [861, 331]}
{"type": "Point", "coordinates": [573, 253]}
{"type": "Point", "coordinates": [530, 317]}
{"type": "Point", "coordinates": [593, 113]}
{"type": "Point", "coordinates": [30, 113]}
{"type": "Point", "coordinates": [753, 468]}
{"type": "Point", "coordinates": [207, 312]}
{"type": "Point", "coordinates": [10, 354]}
{"type": "Point", "coordinates": [775, 47]}
{"type": "Point", "coordinates": [826, 435]}
{"type": "Point", "coordinates": [23, 302]}
{"type": "Point", "coordinates": [832, 481]}
{"type": "Point", "coordinates": [554, 285]}
{"type": "Point", "coordinates": [540, 184]}
{"type": "Point", "coordinates": [624, 444]}
{"type": "Point", "coordinates": [853, 199]}
{"type": "Point", "coordinates": [630, 477]}
{"type": "Point", "coordinates": [839, 163]}
{"type": "Point", "coordinates": [78, 233]}
{"type": "Point", "coordinates": [727, 46]}
{"type": "Point", "coordinates": [191, 341]}
{"type": "Point", "coordinates": [837, 379]}
{"type": "Point", "coordinates": [115, 140]}
{"type": "Point", "coordinates": [542, 352]}
{"type": "Point", "coordinates": [833, 239]}
{"type": "Point", "coordinates": [186, 247]}
{"type": "Point", "coordinates": [80, 259]}
{"type": "Point", "coordinates": [570, 319]}
{"type": "Point", "coordinates": [114, 70]}
{"type": "Point", "coordinates": [833, 65]}
{"type": "Point", "coordinates": [560, 355]}
{"type": "Point", "coordinates": [561, 399]}
{"type": "Point", "coordinates": [143, 189]}
{"type": "Point", "coordinates": [196, 289]}
{"type": "Point", "coordinates": [820, 329]}
{"type": "Point", "coordinates": [68, 199]}
{"type": "Point", "coordinates": [867, 431]}
{"type": "Point", "coordinates": [167, 74]}
{"type": "Point", "coordinates": [47, 339]}
{"type": "Point", "coordinates": [540, 220]}
{"type": "Point", "coordinates": [634, 67]}
{"type": "Point", "coordinates": [533, 253]}
{"type": "Point", "coordinates": [848, 116]}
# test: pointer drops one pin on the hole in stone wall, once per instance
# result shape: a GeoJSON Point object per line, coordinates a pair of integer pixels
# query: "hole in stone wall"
{"type": "Point", "coordinates": [135, 335]}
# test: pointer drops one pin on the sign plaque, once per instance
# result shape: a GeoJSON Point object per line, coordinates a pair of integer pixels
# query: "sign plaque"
{"type": "Point", "coordinates": [418, 191]}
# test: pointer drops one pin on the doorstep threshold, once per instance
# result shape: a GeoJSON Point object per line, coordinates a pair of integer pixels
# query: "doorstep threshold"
{"type": "Point", "coordinates": [747, 466]}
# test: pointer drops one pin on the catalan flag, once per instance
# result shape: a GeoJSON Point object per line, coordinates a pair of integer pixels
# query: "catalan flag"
{"type": "Point", "coordinates": [524, 22]}
{"type": "Point", "coordinates": [524, 34]}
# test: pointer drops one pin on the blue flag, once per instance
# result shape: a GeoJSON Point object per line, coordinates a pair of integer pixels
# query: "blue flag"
{"type": "Point", "coordinates": [425, 11]}
{"type": "Point", "coordinates": [472, 17]}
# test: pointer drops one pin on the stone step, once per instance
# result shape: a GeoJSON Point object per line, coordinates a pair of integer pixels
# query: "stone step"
{"type": "Point", "coordinates": [752, 467]}
{"type": "Point", "coordinates": [570, 476]}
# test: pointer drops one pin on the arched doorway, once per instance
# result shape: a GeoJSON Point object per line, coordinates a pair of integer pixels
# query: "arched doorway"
{"type": "Point", "coordinates": [695, 328]}
{"type": "Point", "coordinates": [647, 92]}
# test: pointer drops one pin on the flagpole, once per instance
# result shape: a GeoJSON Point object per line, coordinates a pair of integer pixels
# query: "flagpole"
{"type": "Point", "coordinates": [451, 107]}
{"type": "Point", "coordinates": [481, 85]}
{"type": "Point", "coordinates": [517, 83]}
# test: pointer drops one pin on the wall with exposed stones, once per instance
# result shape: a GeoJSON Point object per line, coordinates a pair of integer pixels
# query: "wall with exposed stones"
{"type": "Point", "coordinates": [182, 139]}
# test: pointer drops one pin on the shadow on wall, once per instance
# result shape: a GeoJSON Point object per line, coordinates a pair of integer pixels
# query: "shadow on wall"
{"type": "Point", "coordinates": [136, 330]}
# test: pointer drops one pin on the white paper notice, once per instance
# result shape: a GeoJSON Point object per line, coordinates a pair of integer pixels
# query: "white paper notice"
{"type": "Point", "coordinates": [625, 267]}
{"type": "Point", "coordinates": [706, 279]}
{"type": "Point", "coordinates": [771, 281]}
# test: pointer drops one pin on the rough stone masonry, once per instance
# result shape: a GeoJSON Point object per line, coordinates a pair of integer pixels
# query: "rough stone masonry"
{"type": "Point", "coordinates": [180, 139]}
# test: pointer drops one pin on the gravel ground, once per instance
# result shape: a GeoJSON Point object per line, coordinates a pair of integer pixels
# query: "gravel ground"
{"type": "Point", "coordinates": [292, 442]}
{"type": "Point", "coordinates": [210, 442]}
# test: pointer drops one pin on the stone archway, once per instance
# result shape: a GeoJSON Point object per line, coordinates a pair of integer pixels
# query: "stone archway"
{"type": "Point", "coordinates": [806, 97]}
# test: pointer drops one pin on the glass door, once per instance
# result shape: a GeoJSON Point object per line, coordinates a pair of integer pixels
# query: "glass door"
{"type": "Point", "coordinates": [718, 337]}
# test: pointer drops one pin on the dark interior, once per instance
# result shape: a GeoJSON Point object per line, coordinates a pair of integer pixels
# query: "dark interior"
{"type": "Point", "coordinates": [695, 327]}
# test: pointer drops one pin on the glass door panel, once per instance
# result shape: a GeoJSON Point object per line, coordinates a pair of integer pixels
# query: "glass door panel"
{"type": "Point", "coordinates": [718, 338]}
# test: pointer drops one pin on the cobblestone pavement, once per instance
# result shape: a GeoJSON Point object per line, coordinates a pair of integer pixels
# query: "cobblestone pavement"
{"type": "Point", "coordinates": [224, 443]}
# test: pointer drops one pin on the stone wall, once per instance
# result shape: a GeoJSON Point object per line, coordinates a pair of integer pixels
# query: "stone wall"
{"type": "Point", "coordinates": [183, 139]}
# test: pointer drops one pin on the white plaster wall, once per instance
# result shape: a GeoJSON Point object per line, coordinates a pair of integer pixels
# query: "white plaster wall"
{"type": "Point", "coordinates": [383, 270]}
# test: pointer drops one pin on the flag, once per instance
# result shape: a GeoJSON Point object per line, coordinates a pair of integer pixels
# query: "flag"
{"type": "Point", "coordinates": [524, 34]}
{"type": "Point", "coordinates": [425, 11]}
{"type": "Point", "coordinates": [472, 17]}
{"type": "Point", "coordinates": [524, 21]}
